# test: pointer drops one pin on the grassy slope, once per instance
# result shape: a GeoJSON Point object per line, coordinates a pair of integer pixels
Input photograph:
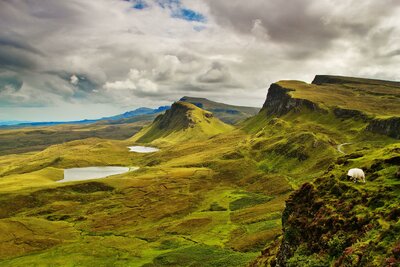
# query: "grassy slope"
{"type": "Point", "coordinates": [214, 201]}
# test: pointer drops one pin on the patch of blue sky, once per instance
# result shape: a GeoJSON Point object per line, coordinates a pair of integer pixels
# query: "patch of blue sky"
{"type": "Point", "coordinates": [189, 15]}
{"type": "Point", "coordinates": [140, 4]}
{"type": "Point", "coordinates": [176, 8]}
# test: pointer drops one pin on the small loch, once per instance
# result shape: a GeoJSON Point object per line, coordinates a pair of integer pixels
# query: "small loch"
{"type": "Point", "coordinates": [143, 149]}
{"type": "Point", "coordinates": [88, 173]}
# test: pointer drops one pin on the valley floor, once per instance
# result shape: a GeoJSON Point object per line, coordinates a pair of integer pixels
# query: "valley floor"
{"type": "Point", "coordinates": [186, 204]}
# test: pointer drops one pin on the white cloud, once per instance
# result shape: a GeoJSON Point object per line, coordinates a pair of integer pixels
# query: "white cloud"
{"type": "Point", "coordinates": [259, 30]}
{"type": "Point", "coordinates": [120, 85]}
{"type": "Point", "coordinates": [74, 80]}
{"type": "Point", "coordinates": [134, 57]}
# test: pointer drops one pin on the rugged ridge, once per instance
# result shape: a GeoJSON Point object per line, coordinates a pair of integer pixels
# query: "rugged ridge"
{"type": "Point", "coordinates": [332, 79]}
{"type": "Point", "coordinates": [279, 102]}
{"type": "Point", "coordinates": [230, 114]}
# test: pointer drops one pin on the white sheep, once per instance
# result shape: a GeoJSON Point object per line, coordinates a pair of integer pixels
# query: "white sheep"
{"type": "Point", "coordinates": [357, 175]}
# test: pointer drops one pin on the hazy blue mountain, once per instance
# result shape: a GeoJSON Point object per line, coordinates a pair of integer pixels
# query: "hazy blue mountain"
{"type": "Point", "coordinates": [12, 122]}
{"type": "Point", "coordinates": [142, 113]}
{"type": "Point", "coordinates": [137, 112]}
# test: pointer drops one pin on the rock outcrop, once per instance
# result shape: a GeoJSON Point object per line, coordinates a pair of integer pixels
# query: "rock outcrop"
{"type": "Point", "coordinates": [389, 127]}
{"type": "Point", "coordinates": [178, 117]}
{"type": "Point", "coordinates": [294, 96]}
{"type": "Point", "coordinates": [279, 102]}
{"type": "Point", "coordinates": [343, 113]}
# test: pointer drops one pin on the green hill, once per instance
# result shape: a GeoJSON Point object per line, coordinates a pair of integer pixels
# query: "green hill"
{"type": "Point", "coordinates": [183, 122]}
{"type": "Point", "coordinates": [227, 113]}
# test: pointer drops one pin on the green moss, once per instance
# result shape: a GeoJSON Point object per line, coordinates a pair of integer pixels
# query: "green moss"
{"type": "Point", "coordinates": [202, 256]}
{"type": "Point", "coordinates": [216, 207]}
{"type": "Point", "coordinates": [248, 200]}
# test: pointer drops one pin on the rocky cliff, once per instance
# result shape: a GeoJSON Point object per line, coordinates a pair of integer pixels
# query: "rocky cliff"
{"type": "Point", "coordinates": [279, 101]}
{"type": "Point", "coordinates": [346, 98]}
{"type": "Point", "coordinates": [180, 116]}
{"type": "Point", "coordinates": [389, 127]}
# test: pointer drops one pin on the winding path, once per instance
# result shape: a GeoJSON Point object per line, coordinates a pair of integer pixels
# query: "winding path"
{"type": "Point", "coordinates": [339, 147]}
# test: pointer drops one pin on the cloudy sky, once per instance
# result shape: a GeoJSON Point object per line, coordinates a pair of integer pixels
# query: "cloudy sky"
{"type": "Point", "coordinates": [75, 59]}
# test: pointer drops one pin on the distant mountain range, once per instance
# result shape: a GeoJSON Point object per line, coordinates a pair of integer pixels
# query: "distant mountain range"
{"type": "Point", "coordinates": [8, 123]}
{"type": "Point", "coordinates": [127, 115]}
{"type": "Point", "coordinates": [137, 112]}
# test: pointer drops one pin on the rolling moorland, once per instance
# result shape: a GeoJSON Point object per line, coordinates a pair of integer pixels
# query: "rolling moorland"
{"type": "Point", "coordinates": [270, 190]}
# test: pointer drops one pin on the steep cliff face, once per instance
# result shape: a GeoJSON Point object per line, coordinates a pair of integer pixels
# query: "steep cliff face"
{"type": "Point", "coordinates": [179, 117]}
{"type": "Point", "coordinates": [346, 98]}
{"type": "Point", "coordinates": [279, 101]}
{"type": "Point", "coordinates": [344, 113]}
{"type": "Point", "coordinates": [389, 127]}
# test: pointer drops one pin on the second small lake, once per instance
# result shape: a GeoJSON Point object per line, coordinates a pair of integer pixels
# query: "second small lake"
{"type": "Point", "coordinates": [143, 149]}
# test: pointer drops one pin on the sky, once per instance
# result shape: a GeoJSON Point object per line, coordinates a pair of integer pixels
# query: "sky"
{"type": "Point", "coordinates": [77, 59]}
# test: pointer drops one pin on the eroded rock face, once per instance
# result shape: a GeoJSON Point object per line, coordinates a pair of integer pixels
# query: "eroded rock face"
{"type": "Point", "coordinates": [177, 116]}
{"type": "Point", "coordinates": [293, 218]}
{"type": "Point", "coordinates": [350, 114]}
{"type": "Point", "coordinates": [389, 127]}
{"type": "Point", "coordinates": [279, 102]}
